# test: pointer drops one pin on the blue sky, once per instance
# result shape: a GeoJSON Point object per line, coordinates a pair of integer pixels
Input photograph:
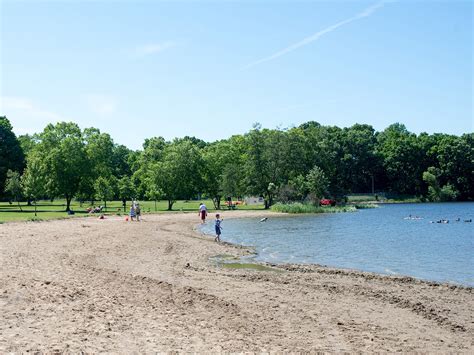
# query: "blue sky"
{"type": "Point", "coordinates": [138, 69]}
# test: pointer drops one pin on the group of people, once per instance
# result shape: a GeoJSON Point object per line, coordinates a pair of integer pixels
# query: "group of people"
{"type": "Point", "coordinates": [135, 211]}
{"type": "Point", "coordinates": [217, 223]}
{"type": "Point", "coordinates": [95, 209]}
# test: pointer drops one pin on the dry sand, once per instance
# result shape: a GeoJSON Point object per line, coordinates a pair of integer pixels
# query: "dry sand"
{"type": "Point", "coordinates": [107, 285]}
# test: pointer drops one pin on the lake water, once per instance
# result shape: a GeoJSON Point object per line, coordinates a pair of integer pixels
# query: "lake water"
{"type": "Point", "coordinates": [379, 240]}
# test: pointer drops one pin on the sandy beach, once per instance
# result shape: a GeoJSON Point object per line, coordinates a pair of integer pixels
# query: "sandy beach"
{"type": "Point", "coordinates": [92, 285]}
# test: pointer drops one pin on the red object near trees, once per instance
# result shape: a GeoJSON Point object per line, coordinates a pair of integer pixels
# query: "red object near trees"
{"type": "Point", "coordinates": [327, 202]}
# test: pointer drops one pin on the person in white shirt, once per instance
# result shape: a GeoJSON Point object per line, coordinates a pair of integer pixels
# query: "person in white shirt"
{"type": "Point", "coordinates": [202, 212]}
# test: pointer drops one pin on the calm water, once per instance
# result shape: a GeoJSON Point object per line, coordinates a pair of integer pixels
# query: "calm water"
{"type": "Point", "coordinates": [378, 240]}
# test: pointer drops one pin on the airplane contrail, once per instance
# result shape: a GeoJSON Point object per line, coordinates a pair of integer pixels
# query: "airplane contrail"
{"type": "Point", "coordinates": [365, 13]}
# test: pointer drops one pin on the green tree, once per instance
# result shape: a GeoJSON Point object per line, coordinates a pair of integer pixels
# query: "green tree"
{"type": "Point", "coordinates": [257, 168]}
{"type": "Point", "coordinates": [143, 164]}
{"type": "Point", "coordinates": [13, 186]}
{"type": "Point", "coordinates": [27, 142]}
{"type": "Point", "coordinates": [220, 173]}
{"type": "Point", "coordinates": [435, 192]}
{"type": "Point", "coordinates": [153, 193]}
{"type": "Point", "coordinates": [126, 190]}
{"type": "Point", "coordinates": [448, 193]}
{"type": "Point", "coordinates": [61, 150]}
{"type": "Point", "coordinates": [104, 189]}
{"type": "Point", "coordinates": [121, 161]}
{"type": "Point", "coordinates": [179, 174]}
{"type": "Point", "coordinates": [300, 187]}
{"type": "Point", "coordinates": [434, 189]}
{"type": "Point", "coordinates": [11, 154]}
{"type": "Point", "coordinates": [317, 183]}
{"type": "Point", "coordinates": [456, 163]}
{"type": "Point", "coordinates": [33, 180]}
{"type": "Point", "coordinates": [402, 158]}
{"type": "Point", "coordinates": [359, 163]}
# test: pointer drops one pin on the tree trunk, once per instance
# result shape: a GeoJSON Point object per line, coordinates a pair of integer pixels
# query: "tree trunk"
{"type": "Point", "coordinates": [170, 205]}
{"type": "Point", "coordinates": [124, 202]}
{"type": "Point", "coordinates": [29, 202]}
{"type": "Point", "coordinates": [35, 208]}
{"type": "Point", "coordinates": [19, 206]}
{"type": "Point", "coordinates": [105, 204]}
{"type": "Point", "coordinates": [155, 205]}
{"type": "Point", "coordinates": [68, 203]}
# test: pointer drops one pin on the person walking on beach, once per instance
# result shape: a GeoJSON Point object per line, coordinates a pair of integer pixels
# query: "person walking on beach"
{"type": "Point", "coordinates": [218, 228]}
{"type": "Point", "coordinates": [202, 212]}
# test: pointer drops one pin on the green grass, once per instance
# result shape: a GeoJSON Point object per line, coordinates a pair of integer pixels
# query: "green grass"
{"type": "Point", "coordinates": [57, 209]}
{"type": "Point", "coordinates": [383, 198]}
{"type": "Point", "coordinates": [248, 266]}
{"type": "Point", "coordinates": [308, 208]}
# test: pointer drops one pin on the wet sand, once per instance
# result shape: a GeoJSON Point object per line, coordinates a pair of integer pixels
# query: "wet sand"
{"type": "Point", "coordinates": [107, 285]}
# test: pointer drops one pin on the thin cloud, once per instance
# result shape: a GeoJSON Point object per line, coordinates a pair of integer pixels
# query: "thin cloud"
{"type": "Point", "coordinates": [26, 115]}
{"type": "Point", "coordinates": [154, 48]}
{"type": "Point", "coordinates": [15, 104]}
{"type": "Point", "coordinates": [103, 105]}
{"type": "Point", "coordinates": [314, 37]}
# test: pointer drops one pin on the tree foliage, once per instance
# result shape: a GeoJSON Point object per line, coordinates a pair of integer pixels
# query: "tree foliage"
{"type": "Point", "coordinates": [310, 161]}
{"type": "Point", "coordinates": [11, 153]}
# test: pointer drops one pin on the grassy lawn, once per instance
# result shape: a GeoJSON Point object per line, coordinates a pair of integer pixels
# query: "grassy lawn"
{"type": "Point", "coordinates": [56, 209]}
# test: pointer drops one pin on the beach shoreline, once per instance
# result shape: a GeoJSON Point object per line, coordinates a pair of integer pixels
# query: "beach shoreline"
{"type": "Point", "coordinates": [106, 285]}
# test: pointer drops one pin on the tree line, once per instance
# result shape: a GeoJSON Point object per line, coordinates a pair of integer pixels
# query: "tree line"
{"type": "Point", "coordinates": [302, 163]}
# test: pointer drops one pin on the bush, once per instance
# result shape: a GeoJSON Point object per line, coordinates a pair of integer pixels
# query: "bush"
{"type": "Point", "coordinates": [448, 193]}
{"type": "Point", "coordinates": [298, 207]}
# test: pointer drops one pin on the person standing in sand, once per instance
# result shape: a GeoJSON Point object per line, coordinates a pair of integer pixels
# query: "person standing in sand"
{"type": "Point", "coordinates": [138, 211]}
{"type": "Point", "coordinates": [202, 212]}
{"type": "Point", "coordinates": [132, 212]}
{"type": "Point", "coordinates": [218, 228]}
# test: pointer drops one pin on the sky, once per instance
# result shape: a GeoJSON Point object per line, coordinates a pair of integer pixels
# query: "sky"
{"type": "Point", "coordinates": [210, 69]}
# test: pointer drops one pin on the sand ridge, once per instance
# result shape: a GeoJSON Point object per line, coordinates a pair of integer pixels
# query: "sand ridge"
{"type": "Point", "coordinates": [107, 285]}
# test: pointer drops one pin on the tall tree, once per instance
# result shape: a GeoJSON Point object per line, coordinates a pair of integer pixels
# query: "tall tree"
{"type": "Point", "coordinates": [221, 171]}
{"type": "Point", "coordinates": [33, 179]}
{"type": "Point", "coordinates": [13, 186]}
{"type": "Point", "coordinates": [179, 174]}
{"type": "Point", "coordinates": [62, 153]}
{"type": "Point", "coordinates": [11, 154]}
{"type": "Point", "coordinates": [456, 163]}
{"type": "Point", "coordinates": [401, 155]}
{"type": "Point", "coordinates": [317, 183]}
{"type": "Point", "coordinates": [126, 190]}
{"type": "Point", "coordinates": [257, 172]}
{"type": "Point", "coordinates": [104, 189]}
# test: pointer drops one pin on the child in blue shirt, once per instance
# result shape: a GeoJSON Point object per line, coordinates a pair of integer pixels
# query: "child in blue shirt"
{"type": "Point", "coordinates": [218, 228]}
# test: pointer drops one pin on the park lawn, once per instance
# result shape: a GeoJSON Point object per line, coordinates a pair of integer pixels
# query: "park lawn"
{"type": "Point", "coordinates": [56, 209]}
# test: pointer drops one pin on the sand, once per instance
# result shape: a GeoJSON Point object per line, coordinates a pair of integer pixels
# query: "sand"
{"type": "Point", "coordinates": [106, 285]}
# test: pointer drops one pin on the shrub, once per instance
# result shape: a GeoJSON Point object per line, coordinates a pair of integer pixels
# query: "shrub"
{"type": "Point", "coordinates": [298, 207]}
